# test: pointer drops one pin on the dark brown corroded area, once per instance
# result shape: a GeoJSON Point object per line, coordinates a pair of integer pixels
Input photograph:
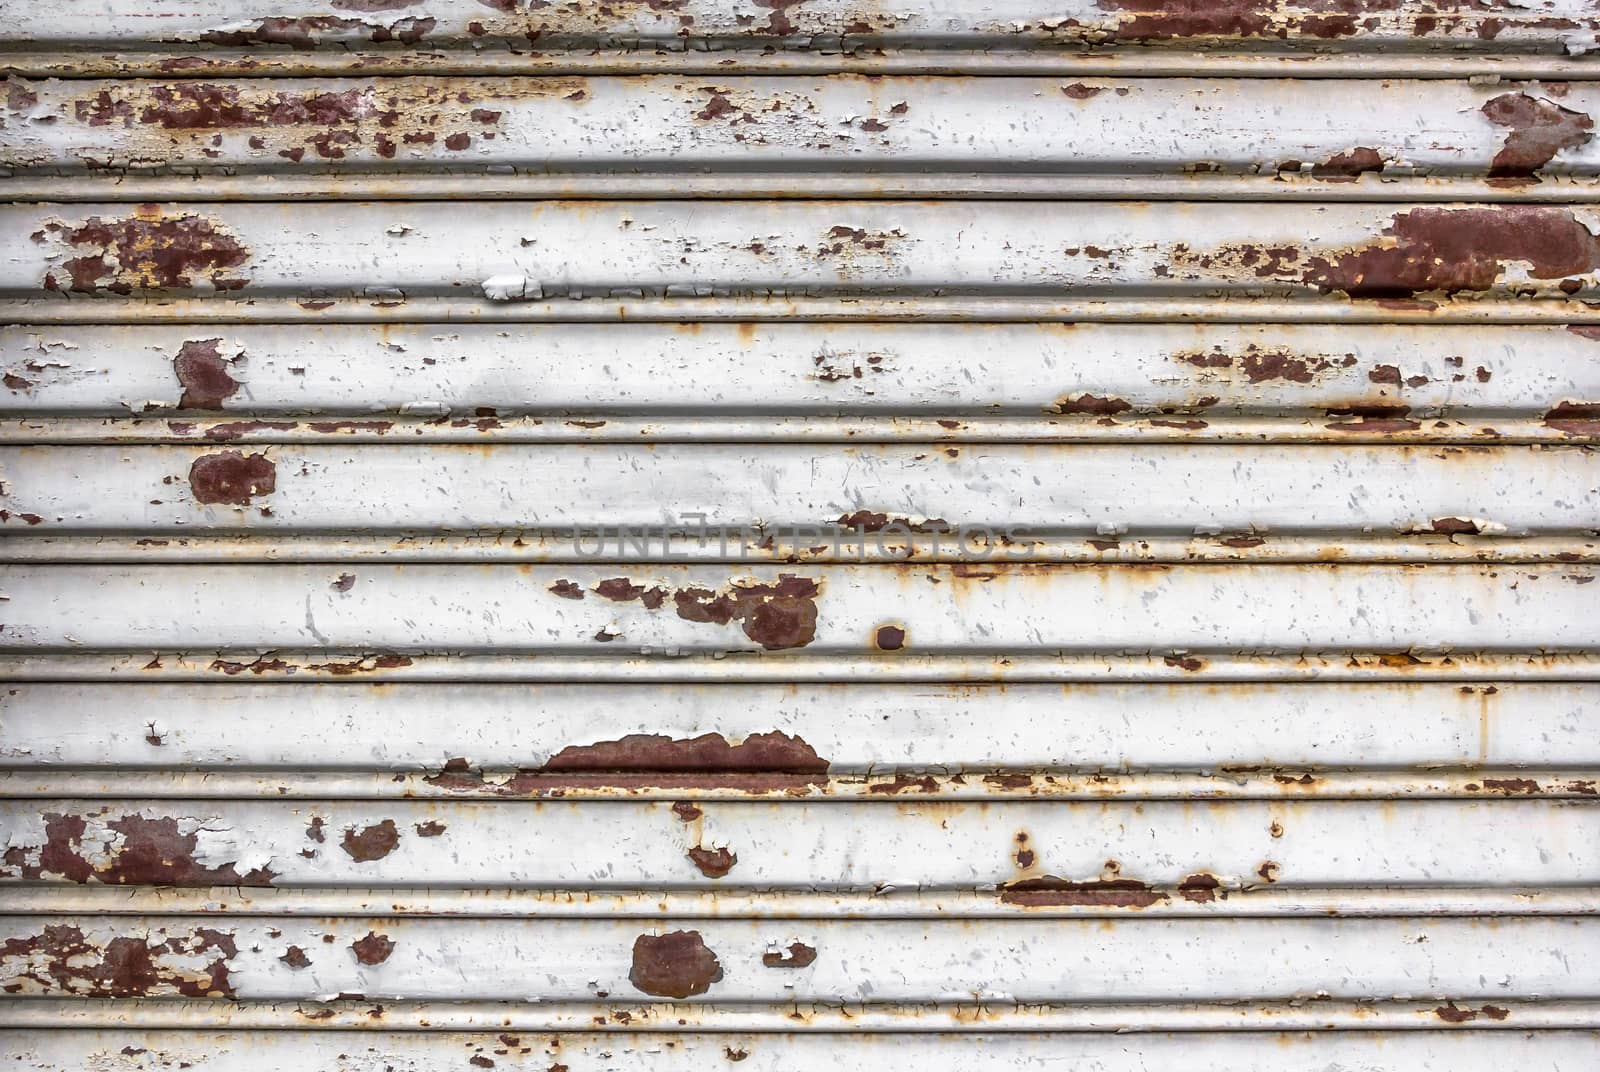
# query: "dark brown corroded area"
{"type": "Point", "coordinates": [1453, 526]}
{"type": "Point", "coordinates": [296, 958]}
{"type": "Point", "coordinates": [713, 863]}
{"type": "Point", "coordinates": [890, 638]}
{"type": "Point", "coordinates": [1376, 418]}
{"type": "Point", "coordinates": [1347, 167]}
{"type": "Point", "coordinates": [673, 965]}
{"type": "Point", "coordinates": [1452, 250]}
{"type": "Point", "coordinates": [372, 842]}
{"type": "Point", "coordinates": [1538, 130]}
{"type": "Point", "coordinates": [373, 949]}
{"type": "Point", "coordinates": [61, 960]}
{"type": "Point", "coordinates": [622, 590]}
{"type": "Point", "coordinates": [687, 811]}
{"type": "Point", "coordinates": [1092, 405]}
{"type": "Point", "coordinates": [1574, 418]}
{"type": "Point", "coordinates": [1263, 366]}
{"type": "Point", "coordinates": [203, 374]}
{"type": "Point", "coordinates": [777, 616]}
{"type": "Point", "coordinates": [798, 955]}
{"type": "Point", "coordinates": [1200, 888]}
{"type": "Point", "coordinates": [147, 251]}
{"type": "Point", "coordinates": [1049, 892]}
{"type": "Point", "coordinates": [130, 851]}
{"type": "Point", "coordinates": [876, 521]}
{"type": "Point", "coordinates": [566, 589]}
{"type": "Point", "coordinates": [431, 828]}
{"type": "Point", "coordinates": [761, 763]}
{"type": "Point", "coordinates": [231, 478]}
{"type": "Point", "coordinates": [1450, 1013]}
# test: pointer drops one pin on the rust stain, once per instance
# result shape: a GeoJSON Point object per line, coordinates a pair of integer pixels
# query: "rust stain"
{"type": "Point", "coordinates": [673, 965]}
{"type": "Point", "coordinates": [1092, 405]}
{"type": "Point", "coordinates": [203, 374]}
{"type": "Point", "coordinates": [890, 638]}
{"type": "Point", "coordinates": [902, 783]}
{"type": "Point", "coordinates": [371, 843]}
{"type": "Point", "coordinates": [1538, 130]}
{"type": "Point", "coordinates": [60, 959]}
{"type": "Point", "coordinates": [1200, 888]}
{"type": "Point", "coordinates": [128, 851]}
{"type": "Point", "coordinates": [762, 762]}
{"type": "Point", "coordinates": [231, 478]}
{"type": "Point", "coordinates": [303, 33]}
{"type": "Point", "coordinates": [1450, 1013]}
{"type": "Point", "coordinates": [567, 589]}
{"type": "Point", "coordinates": [1048, 891]}
{"type": "Point", "coordinates": [431, 828]}
{"type": "Point", "coordinates": [373, 949]}
{"type": "Point", "coordinates": [1575, 418]}
{"type": "Point", "coordinates": [798, 955]}
{"type": "Point", "coordinates": [147, 251]}
{"type": "Point", "coordinates": [296, 958]}
{"type": "Point", "coordinates": [1349, 166]}
{"type": "Point", "coordinates": [687, 811]}
{"type": "Point", "coordinates": [713, 863]}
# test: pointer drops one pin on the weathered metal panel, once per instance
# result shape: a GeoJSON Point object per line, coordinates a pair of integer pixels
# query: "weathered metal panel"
{"type": "Point", "coordinates": [581, 536]}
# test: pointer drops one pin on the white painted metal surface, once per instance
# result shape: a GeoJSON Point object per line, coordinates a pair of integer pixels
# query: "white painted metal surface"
{"type": "Point", "coordinates": [796, 534]}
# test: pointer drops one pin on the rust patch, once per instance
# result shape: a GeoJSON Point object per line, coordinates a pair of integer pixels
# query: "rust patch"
{"type": "Point", "coordinates": [1575, 418]}
{"type": "Point", "coordinates": [1454, 250]}
{"type": "Point", "coordinates": [1092, 405]}
{"type": "Point", "coordinates": [673, 965]}
{"type": "Point", "coordinates": [61, 959]}
{"type": "Point", "coordinates": [1450, 1013]}
{"type": "Point", "coordinates": [431, 828]}
{"type": "Point", "coordinates": [373, 949]}
{"type": "Point", "coordinates": [762, 762]}
{"type": "Point", "coordinates": [890, 638]}
{"type": "Point", "coordinates": [777, 616]}
{"type": "Point", "coordinates": [1378, 418]}
{"type": "Point", "coordinates": [713, 863]}
{"type": "Point", "coordinates": [129, 851]}
{"type": "Point", "coordinates": [296, 958]}
{"type": "Point", "coordinates": [567, 589]}
{"type": "Point", "coordinates": [1050, 892]}
{"type": "Point", "coordinates": [902, 783]}
{"type": "Point", "coordinates": [1453, 526]}
{"type": "Point", "coordinates": [1511, 786]}
{"type": "Point", "coordinates": [1183, 662]}
{"type": "Point", "coordinates": [303, 33]}
{"type": "Point", "coordinates": [371, 843]}
{"type": "Point", "coordinates": [1079, 91]}
{"type": "Point", "coordinates": [203, 374]}
{"type": "Point", "coordinates": [1348, 167]}
{"type": "Point", "coordinates": [1538, 130]}
{"type": "Point", "coordinates": [231, 478]}
{"type": "Point", "coordinates": [1200, 888]}
{"type": "Point", "coordinates": [798, 955]}
{"type": "Point", "coordinates": [148, 251]}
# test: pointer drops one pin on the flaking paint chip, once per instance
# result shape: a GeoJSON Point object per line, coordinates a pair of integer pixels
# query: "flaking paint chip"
{"type": "Point", "coordinates": [511, 288]}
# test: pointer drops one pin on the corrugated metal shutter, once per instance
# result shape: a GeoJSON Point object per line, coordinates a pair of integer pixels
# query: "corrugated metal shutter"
{"type": "Point", "coordinates": [798, 533]}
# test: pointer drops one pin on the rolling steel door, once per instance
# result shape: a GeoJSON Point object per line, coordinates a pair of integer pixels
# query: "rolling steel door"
{"type": "Point", "coordinates": [798, 534]}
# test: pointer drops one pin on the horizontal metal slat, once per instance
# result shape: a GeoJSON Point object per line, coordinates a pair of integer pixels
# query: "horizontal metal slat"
{"type": "Point", "coordinates": [660, 382]}
{"type": "Point", "coordinates": [987, 608]}
{"type": "Point", "coordinates": [1127, 856]}
{"type": "Point", "coordinates": [241, 1051]}
{"type": "Point", "coordinates": [881, 961]}
{"type": "Point", "coordinates": [975, 501]}
{"type": "Point", "coordinates": [132, 726]}
{"type": "Point", "coordinates": [1070, 135]}
{"type": "Point", "coordinates": [1409, 25]}
{"type": "Point", "coordinates": [627, 251]}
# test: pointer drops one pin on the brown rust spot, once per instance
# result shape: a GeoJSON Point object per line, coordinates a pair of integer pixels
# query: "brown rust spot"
{"type": "Point", "coordinates": [1538, 130]}
{"type": "Point", "coordinates": [1347, 167]}
{"type": "Point", "coordinates": [902, 783]}
{"type": "Point", "coordinates": [762, 762]}
{"type": "Point", "coordinates": [1375, 418]}
{"type": "Point", "coordinates": [1574, 418]}
{"type": "Point", "coordinates": [1092, 405]}
{"type": "Point", "coordinates": [776, 616]}
{"type": "Point", "coordinates": [373, 949]}
{"type": "Point", "coordinates": [713, 863]}
{"type": "Point", "coordinates": [305, 32]}
{"type": "Point", "coordinates": [798, 955]}
{"type": "Point", "coordinates": [567, 589]}
{"type": "Point", "coordinates": [1079, 91]}
{"type": "Point", "coordinates": [296, 958]}
{"type": "Point", "coordinates": [1183, 662]}
{"type": "Point", "coordinates": [232, 478]}
{"type": "Point", "coordinates": [132, 851]}
{"type": "Point", "coordinates": [149, 250]}
{"type": "Point", "coordinates": [1453, 526]}
{"type": "Point", "coordinates": [1200, 888]}
{"type": "Point", "coordinates": [60, 959]}
{"type": "Point", "coordinates": [1050, 892]}
{"type": "Point", "coordinates": [430, 828]}
{"type": "Point", "coordinates": [371, 843]}
{"type": "Point", "coordinates": [890, 638]}
{"type": "Point", "coordinates": [673, 965]}
{"type": "Point", "coordinates": [1511, 786]}
{"type": "Point", "coordinates": [203, 374]}
{"type": "Point", "coordinates": [1453, 250]}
